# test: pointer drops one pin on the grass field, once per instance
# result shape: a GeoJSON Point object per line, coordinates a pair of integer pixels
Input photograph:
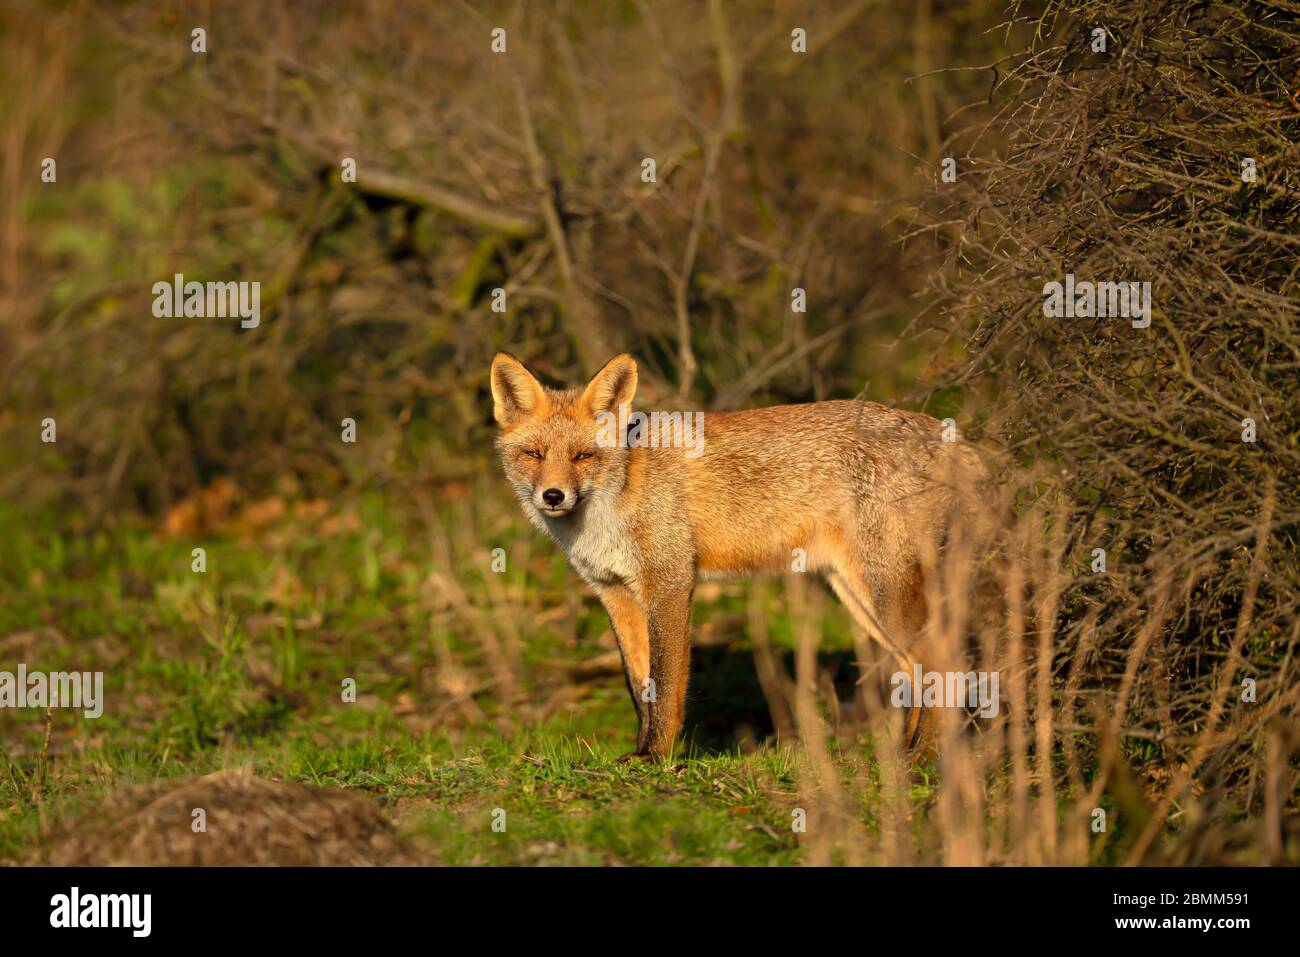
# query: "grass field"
{"type": "Point", "coordinates": [242, 667]}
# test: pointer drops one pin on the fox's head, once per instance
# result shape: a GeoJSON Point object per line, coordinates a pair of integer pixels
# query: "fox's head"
{"type": "Point", "coordinates": [549, 438]}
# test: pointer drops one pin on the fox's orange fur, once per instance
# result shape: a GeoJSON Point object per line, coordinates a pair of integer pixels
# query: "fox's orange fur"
{"type": "Point", "coordinates": [854, 484]}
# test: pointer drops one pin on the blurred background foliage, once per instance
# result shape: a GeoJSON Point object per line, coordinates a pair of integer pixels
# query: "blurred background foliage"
{"type": "Point", "coordinates": [475, 171]}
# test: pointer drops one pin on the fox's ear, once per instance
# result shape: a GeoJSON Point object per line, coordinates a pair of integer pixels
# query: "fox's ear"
{"type": "Point", "coordinates": [516, 394]}
{"type": "Point", "coordinates": [612, 386]}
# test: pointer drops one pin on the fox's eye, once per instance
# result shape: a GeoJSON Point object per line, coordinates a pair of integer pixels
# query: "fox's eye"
{"type": "Point", "coordinates": [533, 453]}
{"type": "Point", "coordinates": [582, 455]}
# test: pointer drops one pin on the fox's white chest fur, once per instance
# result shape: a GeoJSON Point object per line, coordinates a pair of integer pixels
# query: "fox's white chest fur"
{"type": "Point", "coordinates": [596, 539]}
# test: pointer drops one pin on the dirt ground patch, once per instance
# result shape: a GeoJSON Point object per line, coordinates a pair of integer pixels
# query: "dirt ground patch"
{"type": "Point", "coordinates": [248, 821]}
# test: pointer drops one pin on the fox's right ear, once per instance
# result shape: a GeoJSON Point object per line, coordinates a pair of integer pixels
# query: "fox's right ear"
{"type": "Point", "coordinates": [516, 394]}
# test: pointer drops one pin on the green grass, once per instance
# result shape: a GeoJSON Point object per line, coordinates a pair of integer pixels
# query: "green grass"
{"type": "Point", "coordinates": [242, 666]}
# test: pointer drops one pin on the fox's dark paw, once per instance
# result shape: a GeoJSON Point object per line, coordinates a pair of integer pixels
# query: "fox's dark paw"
{"type": "Point", "coordinates": [635, 756]}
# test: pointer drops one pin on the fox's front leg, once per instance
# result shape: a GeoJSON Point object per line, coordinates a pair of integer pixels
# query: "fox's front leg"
{"type": "Point", "coordinates": [669, 619]}
{"type": "Point", "coordinates": [631, 631]}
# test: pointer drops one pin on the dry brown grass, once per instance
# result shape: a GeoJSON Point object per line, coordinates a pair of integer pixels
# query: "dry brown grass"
{"type": "Point", "coordinates": [1088, 721]}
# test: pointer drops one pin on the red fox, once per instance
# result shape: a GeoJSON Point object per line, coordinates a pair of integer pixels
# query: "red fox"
{"type": "Point", "coordinates": [853, 484]}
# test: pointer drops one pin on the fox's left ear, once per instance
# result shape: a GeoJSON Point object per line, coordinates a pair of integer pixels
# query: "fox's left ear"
{"type": "Point", "coordinates": [612, 386]}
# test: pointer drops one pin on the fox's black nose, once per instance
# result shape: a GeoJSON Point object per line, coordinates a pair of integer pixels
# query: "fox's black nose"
{"type": "Point", "coordinates": [552, 497]}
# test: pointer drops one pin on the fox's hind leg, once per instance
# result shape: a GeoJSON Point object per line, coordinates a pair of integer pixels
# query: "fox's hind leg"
{"type": "Point", "coordinates": [892, 614]}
